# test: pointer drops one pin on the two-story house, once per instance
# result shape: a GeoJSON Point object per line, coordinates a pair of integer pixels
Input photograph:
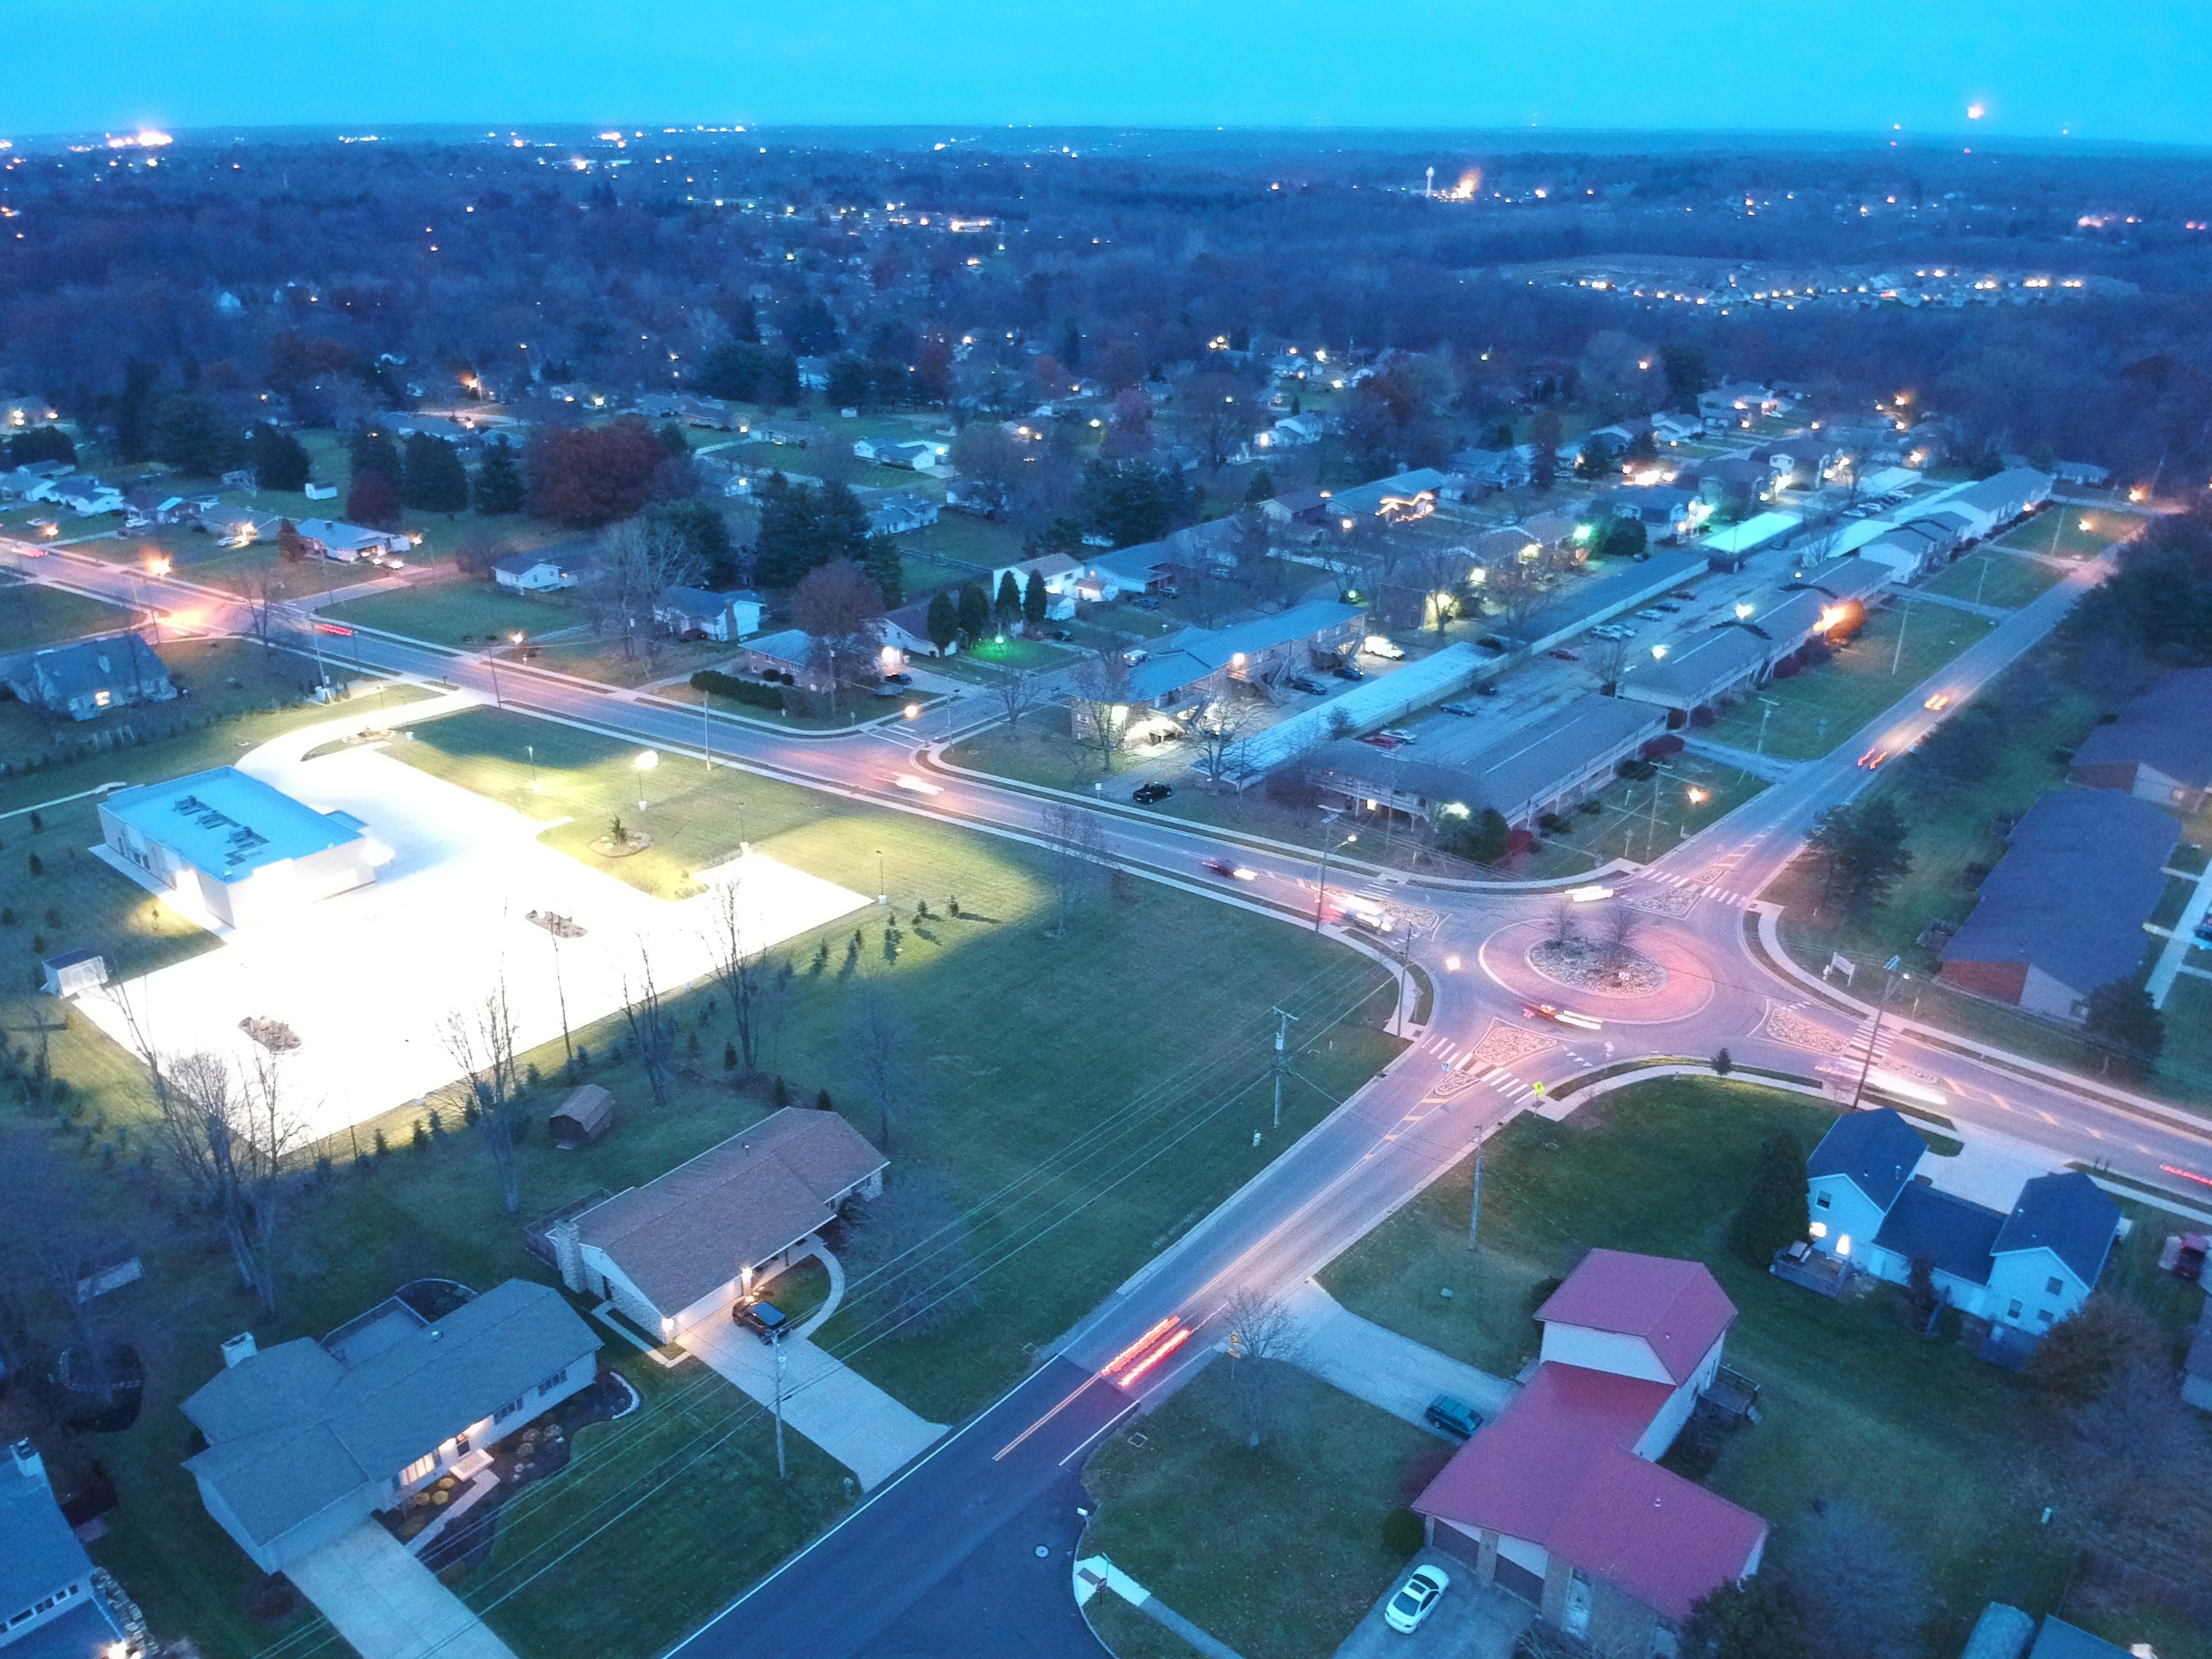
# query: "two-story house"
{"type": "Point", "coordinates": [2025, 1268]}
{"type": "Point", "coordinates": [53, 1603]}
{"type": "Point", "coordinates": [1561, 1501]}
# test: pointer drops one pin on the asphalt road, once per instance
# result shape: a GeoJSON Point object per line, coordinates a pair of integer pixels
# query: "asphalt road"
{"type": "Point", "coordinates": [933, 1562]}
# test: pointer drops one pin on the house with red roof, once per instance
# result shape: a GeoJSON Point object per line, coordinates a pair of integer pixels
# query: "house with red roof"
{"type": "Point", "coordinates": [1560, 1499]}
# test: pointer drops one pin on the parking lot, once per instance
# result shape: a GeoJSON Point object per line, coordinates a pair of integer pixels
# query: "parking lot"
{"type": "Point", "coordinates": [1471, 1621]}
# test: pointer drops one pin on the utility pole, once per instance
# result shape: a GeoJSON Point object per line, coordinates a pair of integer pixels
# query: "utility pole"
{"type": "Point", "coordinates": [1866, 1066]}
{"type": "Point", "coordinates": [781, 1473]}
{"type": "Point", "coordinates": [1282, 1030]}
{"type": "Point", "coordinates": [707, 728]}
{"type": "Point", "coordinates": [1904, 619]}
{"type": "Point", "coordinates": [1474, 1208]}
{"type": "Point", "coordinates": [1765, 714]}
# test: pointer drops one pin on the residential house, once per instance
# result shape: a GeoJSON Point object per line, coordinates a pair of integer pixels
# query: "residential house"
{"type": "Point", "coordinates": [2085, 474]}
{"type": "Point", "coordinates": [54, 1603]}
{"type": "Point", "coordinates": [1805, 461]}
{"type": "Point", "coordinates": [1181, 674]}
{"type": "Point", "coordinates": [2160, 749]}
{"type": "Point", "coordinates": [814, 373]}
{"type": "Point", "coordinates": [1061, 573]}
{"type": "Point", "coordinates": [236, 526]}
{"type": "Point", "coordinates": [2025, 1269]}
{"type": "Point", "coordinates": [912, 456]}
{"type": "Point", "coordinates": [1299, 507]}
{"type": "Point", "coordinates": [1489, 469]}
{"type": "Point", "coordinates": [980, 498]}
{"type": "Point", "coordinates": [1729, 407]}
{"type": "Point", "coordinates": [694, 613]}
{"type": "Point", "coordinates": [331, 538]}
{"type": "Point", "coordinates": [1400, 498]}
{"type": "Point", "coordinates": [541, 570]}
{"type": "Point", "coordinates": [1670, 428]}
{"type": "Point", "coordinates": [899, 513]}
{"type": "Point", "coordinates": [32, 483]}
{"type": "Point", "coordinates": [85, 496]}
{"type": "Point", "coordinates": [1666, 511]}
{"type": "Point", "coordinates": [686, 1245]}
{"type": "Point", "coordinates": [1553, 529]}
{"type": "Point", "coordinates": [792, 655]}
{"type": "Point", "coordinates": [308, 1439]}
{"type": "Point", "coordinates": [1504, 547]}
{"type": "Point", "coordinates": [1731, 547]}
{"type": "Point", "coordinates": [87, 678]}
{"type": "Point", "coordinates": [245, 852]}
{"type": "Point", "coordinates": [2062, 913]}
{"type": "Point", "coordinates": [1733, 484]}
{"type": "Point", "coordinates": [1561, 1501]}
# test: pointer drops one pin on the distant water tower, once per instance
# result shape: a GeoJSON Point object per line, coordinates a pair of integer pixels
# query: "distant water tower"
{"type": "Point", "coordinates": [1428, 188]}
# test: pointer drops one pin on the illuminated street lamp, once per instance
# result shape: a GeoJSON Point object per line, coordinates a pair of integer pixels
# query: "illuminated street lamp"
{"type": "Point", "coordinates": [646, 760]}
{"type": "Point", "coordinates": [1658, 654]}
{"type": "Point", "coordinates": [1743, 610]}
{"type": "Point", "coordinates": [1321, 899]}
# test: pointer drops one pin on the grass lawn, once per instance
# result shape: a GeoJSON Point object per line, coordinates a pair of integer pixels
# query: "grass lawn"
{"type": "Point", "coordinates": [1622, 827]}
{"type": "Point", "coordinates": [33, 615]}
{"type": "Point", "coordinates": [76, 900]}
{"type": "Point", "coordinates": [465, 612]}
{"type": "Point", "coordinates": [236, 695]}
{"type": "Point", "coordinates": [1293, 1553]}
{"type": "Point", "coordinates": [592, 659]}
{"type": "Point", "coordinates": [2179, 889]}
{"type": "Point", "coordinates": [992, 658]}
{"type": "Point", "coordinates": [2003, 580]}
{"type": "Point", "coordinates": [971, 540]}
{"type": "Point", "coordinates": [1853, 1404]}
{"type": "Point", "coordinates": [1100, 1150]}
{"type": "Point", "coordinates": [2081, 532]}
{"type": "Point", "coordinates": [1819, 708]}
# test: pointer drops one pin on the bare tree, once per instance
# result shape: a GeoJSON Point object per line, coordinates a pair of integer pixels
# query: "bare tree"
{"type": "Point", "coordinates": [912, 1260]}
{"type": "Point", "coordinates": [649, 1025]}
{"type": "Point", "coordinates": [265, 596]}
{"type": "Point", "coordinates": [1860, 1588]}
{"type": "Point", "coordinates": [1261, 1334]}
{"type": "Point", "coordinates": [1099, 709]}
{"type": "Point", "coordinates": [885, 1043]}
{"type": "Point", "coordinates": [1016, 689]}
{"type": "Point", "coordinates": [1624, 925]}
{"type": "Point", "coordinates": [1443, 574]}
{"type": "Point", "coordinates": [45, 1245]}
{"type": "Point", "coordinates": [634, 569]}
{"type": "Point", "coordinates": [743, 972]}
{"type": "Point", "coordinates": [480, 1040]}
{"type": "Point", "coordinates": [1563, 927]}
{"type": "Point", "coordinates": [1078, 846]}
{"type": "Point", "coordinates": [1221, 731]}
{"type": "Point", "coordinates": [230, 1139]}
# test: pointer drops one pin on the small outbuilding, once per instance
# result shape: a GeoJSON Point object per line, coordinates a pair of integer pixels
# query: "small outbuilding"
{"type": "Point", "coordinates": [73, 971]}
{"type": "Point", "coordinates": [583, 1117]}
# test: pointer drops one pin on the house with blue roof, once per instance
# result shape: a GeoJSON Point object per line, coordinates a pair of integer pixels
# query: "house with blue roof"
{"type": "Point", "coordinates": [233, 847]}
{"type": "Point", "coordinates": [54, 1603]}
{"type": "Point", "coordinates": [2025, 1268]}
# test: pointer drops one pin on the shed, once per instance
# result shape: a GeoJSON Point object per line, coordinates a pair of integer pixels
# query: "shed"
{"type": "Point", "coordinates": [583, 1117]}
{"type": "Point", "coordinates": [73, 971]}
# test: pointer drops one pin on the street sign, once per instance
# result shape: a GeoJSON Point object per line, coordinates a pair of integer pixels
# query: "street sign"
{"type": "Point", "coordinates": [1890, 967]}
{"type": "Point", "coordinates": [1840, 963]}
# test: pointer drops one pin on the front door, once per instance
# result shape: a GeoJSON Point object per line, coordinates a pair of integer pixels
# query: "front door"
{"type": "Point", "coordinates": [1576, 1620]}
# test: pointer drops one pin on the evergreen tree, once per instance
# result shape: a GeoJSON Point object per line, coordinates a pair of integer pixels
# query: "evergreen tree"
{"type": "Point", "coordinates": [2123, 1015]}
{"type": "Point", "coordinates": [1746, 1620]}
{"type": "Point", "coordinates": [1624, 539]}
{"type": "Point", "coordinates": [1773, 1215]}
{"type": "Point", "coordinates": [1260, 488]}
{"type": "Point", "coordinates": [1007, 609]}
{"type": "Point", "coordinates": [41, 443]}
{"type": "Point", "coordinates": [882, 565]}
{"type": "Point", "coordinates": [1862, 853]}
{"type": "Point", "coordinates": [193, 434]}
{"type": "Point", "coordinates": [134, 411]}
{"type": "Point", "coordinates": [498, 487]}
{"type": "Point", "coordinates": [974, 613]}
{"type": "Point", "coordinates": [279, 460]}
{"type": "Point", "coordinates": [851, 384]}
{"type": "Point", "coordinates": [1071, 345]}
{"type": "Point", "coordinates": [1483, 837]}
{"type": "Point", "coordinates": [1037, 603]}
{"type": "Point", "coordinates": [675, 440]}
{"type": "Point", "coordinates": [944, 621]}
{"type": "Point", "coordinates": [373, 451]}
{"type": "Point", "coordinates": [370, 500]}
{"type": "Point", "coordinates": [433, 479]}
{"type": "Point", "coordinates": [1685, 375]}
{"type": "Point", "coordinates": [696, 531]}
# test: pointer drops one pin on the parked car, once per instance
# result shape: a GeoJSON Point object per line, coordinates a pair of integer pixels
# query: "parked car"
{"type": "Point", "coordinates": [1345, 670]}
{"type": "Point", "coordinates": [1564, 655]}
{"type": "Point", "coordinates": [1382, 741]}
{"type": "Point", "coordinates": [1454, 1416]}
{"type": "Point", "coordinates": [900, 678]}
{"type": "Point", "coordinates": [1376, 645]}
{"type": "Point", "coordinates": [1399, 732]}
{"type": "Point", "coordinates": [1146, 793]}
{"type": "Point", "coordinates": [764, 1319]}
{"type": "Point", "coordinates": [1460, 708]}
{"type": "Point", "coordinates": [1307, 683]}
{"type": "Point", "coordinates": [1669, 607]}
{"type": "Point", "coordinates": [1492, 643]}
{"type": "Point", "coordinates": [1682, 593]}
{"type": "Point", "coordinates": [1487, 688]}
{"type": "Point", "coordinates": [1647, 615]}
{"type": "Point", "coordinates": [1417, 1598]}
{"type": "Point", "coordinates": [1059, 633]}
{"type": "Point", "coordinates": [1145, 601]}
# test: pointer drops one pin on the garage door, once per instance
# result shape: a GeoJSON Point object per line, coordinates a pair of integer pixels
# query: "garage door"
{"type": "Point", "coordinates": [1521, 1568]}
{"type": "Point", "coordinates": [1460, 1546]}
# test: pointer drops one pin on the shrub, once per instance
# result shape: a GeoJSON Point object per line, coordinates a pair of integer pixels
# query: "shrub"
{"type": "Point", "coordinates": [1402, 1533]}
{"type": "Point", "coordinates": [712, 682]}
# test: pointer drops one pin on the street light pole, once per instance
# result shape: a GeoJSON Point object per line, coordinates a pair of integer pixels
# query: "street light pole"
{"type": "Point", "coordinates": [1904, 621]}
{"type": "Point", "coordinates": [1765, 714]}
{"type": "Point", "coordinates": [1282, 1029]}
{"type": "Point", "coordinates": [780, 1472]}
{"type": "Point", "coordinates": [1874, 1036]}
{"type": "Point", "coordinates": [1474, 1208]}
{"type": "Point", "coordinates": [1321, 899]}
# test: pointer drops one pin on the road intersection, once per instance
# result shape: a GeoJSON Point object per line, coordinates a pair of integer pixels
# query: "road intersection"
{"type": "Point", "coordinates": [959, 1522]}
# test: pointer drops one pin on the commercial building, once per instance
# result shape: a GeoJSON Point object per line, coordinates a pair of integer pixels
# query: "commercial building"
{"type": "Point", "coordinates": [236, 848]}
{"type": "Point", "coordinates": [2062, 913]}
{"type": "Point", "coordinates": [1734, 656]}
{"type": "Point", "coordinates": [308, 1439]}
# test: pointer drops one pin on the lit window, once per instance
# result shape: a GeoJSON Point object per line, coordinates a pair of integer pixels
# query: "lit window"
{"type": "Point", "coordinates": [416, 1470]}
{"type": "Point", "coordinates": [1844, 1244]}
{"type": "Point", "coordinates": [1819, 1230]}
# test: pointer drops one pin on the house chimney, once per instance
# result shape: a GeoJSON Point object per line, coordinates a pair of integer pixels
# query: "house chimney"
{"type": "Point", "coordinates": [28, 1463]}
{"type": "Point", "coordinates": [240, 1349]}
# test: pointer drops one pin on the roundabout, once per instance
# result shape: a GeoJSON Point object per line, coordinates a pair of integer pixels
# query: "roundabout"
{"type": "Point", "coordinates": [1655, 975]}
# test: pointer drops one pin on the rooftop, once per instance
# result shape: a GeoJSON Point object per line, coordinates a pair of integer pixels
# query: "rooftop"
{"type": "Point", "coordinates": [2082, 873]}
{"type": "Point", "coordinates": [2069, 1215]}
{"type": "Point", "coordinates": [1952, 1235]}
{"type": "Point", "coordinates": [1676, 1306]}
{"type": "Point", "coordinates": [2168, 728]}
{"type": "Point", "coordinates": [1876, 1151]}
{"type": "Point", "coordinates": [228, 824]}
{"type": "Point", "coordinates": [39, 1554]}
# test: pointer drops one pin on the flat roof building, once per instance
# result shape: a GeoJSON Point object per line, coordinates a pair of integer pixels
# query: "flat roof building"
{"type": "Point", "coordinates": [236, 848]}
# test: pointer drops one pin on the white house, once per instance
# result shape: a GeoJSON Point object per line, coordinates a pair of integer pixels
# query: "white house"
{"type": "Point", "coordinates": [308, 1439]}
{"type": "Point", "coordinates": [331, 538]}
{"type": "Point", "coordinates": [86, 495]}
{"type": "Point", "coordinates": [685, 1246]}
{"type": "Point", "coordinates": [235, 847]}
{"type": "Point", "coordinates": [694, 613]}
{"type": "Point", "coordinates": [2025, 1269]}
{"type": "Point", "coordinates": [542, 571]}
{"type": "Point", "coordinates": [913, 456]}
{"type": "Point", "coordinates": [52, 1601]}
{"type": "Point", "coordinates": [1561, 1501]}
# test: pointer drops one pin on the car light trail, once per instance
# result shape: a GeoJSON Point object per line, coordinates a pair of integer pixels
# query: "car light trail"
{"type": "Point", "coordinates": [1113, 1367]}
{"type": "Point", "coordinates": [1128, 1378]}
{"type": "Point", "coordinates": [2186, 1175]}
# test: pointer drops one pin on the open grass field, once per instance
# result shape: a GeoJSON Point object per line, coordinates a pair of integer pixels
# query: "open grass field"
{"type": "Point", "coordinates": [2007, 581]}
{"type": "Point", "coordinates": [1293, 1551]}
{"type": "Point", "coordinates": [1813, 711]}
{"type": "Point", "coordinates": [465, 612]}
{"type": "Point", "coordinates": [33, 615]}
{"type": "Point", "coordinates": [1072, 1155]}
{"type": "Point", "coordinates": [2078, 532]}
{"type": "Point", "coordinates": [1853, 1403]}
{"type": "Point", "coordinates": [992, 658]}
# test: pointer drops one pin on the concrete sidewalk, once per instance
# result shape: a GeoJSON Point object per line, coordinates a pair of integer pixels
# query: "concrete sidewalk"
{"type": "Point", "coordinates": [1380, 1366]}
{"type": "Point", "coordinates": [387, 1604]}
{"type": "Point", "coordinates": [824, 1398]}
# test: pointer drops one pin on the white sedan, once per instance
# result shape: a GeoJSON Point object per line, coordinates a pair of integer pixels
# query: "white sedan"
{"type": "Point", "coordinates": [1417, 1598]}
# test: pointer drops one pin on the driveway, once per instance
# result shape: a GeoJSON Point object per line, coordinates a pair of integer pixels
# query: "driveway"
{"type": "Point", "coordinates": [824, 1398]}
{"type": "Point", "coordinates": [1472, 1621]}
{"type": "Point", "coordinates": [387, 1604]}
{"type": "Point", "coordinates": [1381, 1367]}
